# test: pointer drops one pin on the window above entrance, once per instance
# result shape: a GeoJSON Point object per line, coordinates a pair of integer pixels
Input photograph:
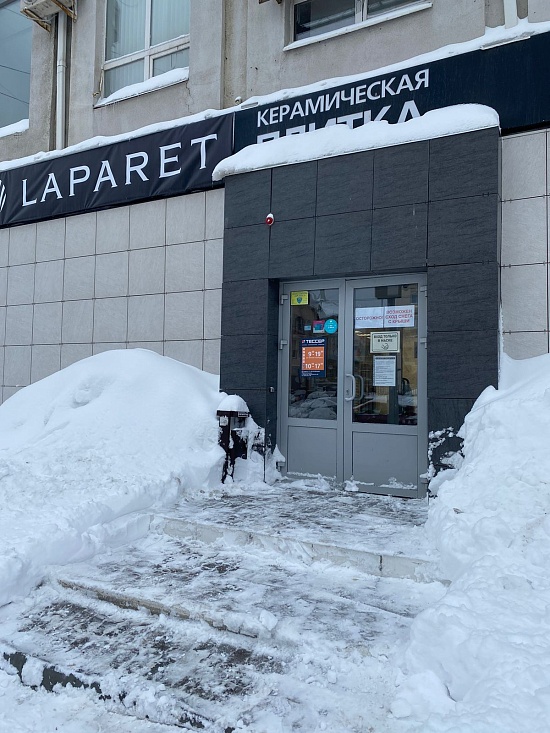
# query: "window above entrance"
{"type": "Point", "coordinates": [143, 39]}
{"type": "Point", "coordinates": [15, 64]}
{"type": "Point", "coordinates": [312, 18]}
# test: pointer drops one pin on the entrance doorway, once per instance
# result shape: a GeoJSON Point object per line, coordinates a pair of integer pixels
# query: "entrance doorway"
{"type": "Point", "coordinates": [353, 381]}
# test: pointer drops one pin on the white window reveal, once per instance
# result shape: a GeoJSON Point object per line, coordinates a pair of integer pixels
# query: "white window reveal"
{"type": "Point", "coordinates": [144, 38]}
{"type": "Point", "coordinates": [315, 17]}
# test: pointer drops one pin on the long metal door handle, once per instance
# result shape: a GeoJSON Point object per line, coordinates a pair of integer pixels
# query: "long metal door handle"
{"type": "Point", "coordinates": [362, 384]}
{"type": "Point", "coordinates": [352, 393]}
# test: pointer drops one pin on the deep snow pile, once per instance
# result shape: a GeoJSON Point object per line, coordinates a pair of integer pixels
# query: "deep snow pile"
{"type": "Point", "coordinates": [83, 451]}
{"type": "Point", "coordinates": [479, 660]}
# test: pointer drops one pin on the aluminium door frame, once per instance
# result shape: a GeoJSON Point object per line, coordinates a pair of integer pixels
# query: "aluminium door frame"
{"type": "Point", "coordinates": [421, 428]}
{"type": "Point", "coordinates": [346, 286]}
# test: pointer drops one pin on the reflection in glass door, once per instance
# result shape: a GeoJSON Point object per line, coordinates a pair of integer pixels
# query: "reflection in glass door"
{"type": "Point", "coordinates": [385, 355]}
{"type": "Point", "coordinates": [313, 378]}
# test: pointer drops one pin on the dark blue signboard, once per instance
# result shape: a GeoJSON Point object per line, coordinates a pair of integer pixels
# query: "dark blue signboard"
{"type": "Point", "coordinates": [164, 163]}
{"type": "Point", "coordinates": [512, 78]}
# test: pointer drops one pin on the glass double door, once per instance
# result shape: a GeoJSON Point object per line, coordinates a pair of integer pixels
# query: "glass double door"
{"type": "Point", "coordinates": [353, 382]}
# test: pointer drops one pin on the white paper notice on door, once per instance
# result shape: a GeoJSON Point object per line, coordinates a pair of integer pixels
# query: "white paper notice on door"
{"type": "Point", "coordinates": [369, 317]}
{"type": "Point", "coordinates": [385, 316]}
{"type": "Point", "coordinates": [399, 316]}
{"type": "Point", "coordinates": [384, 371]}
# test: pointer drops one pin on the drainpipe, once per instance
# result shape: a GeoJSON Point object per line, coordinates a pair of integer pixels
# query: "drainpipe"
{"type": "Point", "coordinates": [60, 104]}
{"type": "Point", "coordinates": [510, 13]}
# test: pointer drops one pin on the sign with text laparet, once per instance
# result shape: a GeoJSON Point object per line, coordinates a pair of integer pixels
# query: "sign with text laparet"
{"type": "Point", "coordinates": [511, 78]}
{"type": "Point", "coordinates": [160, 164]}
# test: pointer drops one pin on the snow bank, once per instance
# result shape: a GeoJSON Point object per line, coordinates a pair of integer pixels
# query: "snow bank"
{"type": "Point", "coordinates": [478, 660]}
{"type": "Point", "coordinates": [85, 450]}
{"type": "Point", "coordinates": [341, 140]}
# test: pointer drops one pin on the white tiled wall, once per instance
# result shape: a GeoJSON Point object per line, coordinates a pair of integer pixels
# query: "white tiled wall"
{"type": "Point", "coordinates": [142, 276]}
{"type": "Point", "coordinates": [525, 254]}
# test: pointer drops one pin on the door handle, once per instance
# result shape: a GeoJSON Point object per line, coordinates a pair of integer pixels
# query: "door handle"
{"type": "Point", "coordinates": [362, 384]}
{"type": "Point", "coordinates": [350, 394]}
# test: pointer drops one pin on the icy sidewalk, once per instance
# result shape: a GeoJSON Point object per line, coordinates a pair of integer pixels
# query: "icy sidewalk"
{"type": "Point", "coordinates": [224, 634]}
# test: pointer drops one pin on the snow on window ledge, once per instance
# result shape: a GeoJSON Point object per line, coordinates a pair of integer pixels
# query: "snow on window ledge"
{"type": "Point", "coordinates": [175, 76]}
{"type": "Point", "coordinates": [374, 20]}
{"type": "Point", "coordinates": [15, 128]}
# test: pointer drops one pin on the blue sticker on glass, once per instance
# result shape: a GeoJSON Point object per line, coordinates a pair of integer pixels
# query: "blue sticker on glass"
{"type": "Point", "coordinates": [331, 325]}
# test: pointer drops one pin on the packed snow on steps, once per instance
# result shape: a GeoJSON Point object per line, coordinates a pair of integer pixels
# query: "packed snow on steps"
{"type": "Point", "coordinates": [268, 641]}
{"type": "Point", "coordinates": [74, 471]}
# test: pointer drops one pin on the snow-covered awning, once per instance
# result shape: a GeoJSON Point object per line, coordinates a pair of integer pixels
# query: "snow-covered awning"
{"type": "Point", "coordinates": [341, 140]}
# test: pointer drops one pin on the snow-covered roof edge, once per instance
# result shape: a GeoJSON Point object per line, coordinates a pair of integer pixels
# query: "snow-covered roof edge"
{"type": "Point", "coordinates": [493, 36]}
{"type": "Point", "coordinates": [341, 140]}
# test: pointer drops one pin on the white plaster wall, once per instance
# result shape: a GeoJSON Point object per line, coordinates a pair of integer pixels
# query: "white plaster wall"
{"type": "Point", "coordinates": [525, 244]}
{"type": "Point", "coordinates": [269, 67]}
{"type": "Point", "coordinates": [539, 11]}
{"type": "Point", "coordinates": [237, 49]}
{"type": "Point", "coordinates": [147, 275]}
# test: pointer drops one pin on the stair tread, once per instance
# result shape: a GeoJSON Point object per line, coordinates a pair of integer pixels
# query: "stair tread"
{"type": "Point", "coordinates": [375, 524]}
{"type": "Point", "coordinates": [312, 623]}
{"type": "Point", "coordinates": [236, 584]}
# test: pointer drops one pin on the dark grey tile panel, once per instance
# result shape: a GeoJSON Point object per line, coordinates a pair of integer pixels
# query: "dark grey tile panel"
{"type": "Point", "coordinates": [345, 183]}
{"type": "Point", "coordinates": [463, 297]}
{"type": "Point", "coordinates": [447, 413]}
{"type": "Point", "coordinates": [243, 362]}
{"type": "Point", "coordinates": [401, 175]}
{"type": "Point", "coordinates": [293, 191]}
{"type": "Point", "coordinates": [291, 248]}
{"type": "Point", "coordinates": [247, 198]}
{"type": "Point", "coordinates": [250, 307]}
{"type": "Point", "coordinates": [343, 243]}
{"type": "Point", "coordinates": [399, 237]}
{"type": "Point", "coordinates": [246, 253]}
{"type": "Point", "coordinates": [462, 364]}
{"type": "Point", "coordinates": [464, 165]}
{"type": "Point", "coordinates": [464, 230]}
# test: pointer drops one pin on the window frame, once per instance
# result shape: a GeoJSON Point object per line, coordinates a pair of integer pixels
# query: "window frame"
{"type": "Point", "coordinates": [362, 16]}
{"type": "Point", "coordinates": [4, 5]}
{"type": "Point", "coordinates": [149, 54]}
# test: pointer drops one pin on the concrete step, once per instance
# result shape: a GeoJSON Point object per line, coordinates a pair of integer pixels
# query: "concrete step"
{"type": "Point", "coordinates": [152, 667]}
{"type": "Point", "coordinates": [213, 637]}
{"type": "Point", "coordinates": [374, 563]}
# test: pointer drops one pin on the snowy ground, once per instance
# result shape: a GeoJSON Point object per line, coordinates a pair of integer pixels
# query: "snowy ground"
{"type": "Point", "coordinates": [314, 642]}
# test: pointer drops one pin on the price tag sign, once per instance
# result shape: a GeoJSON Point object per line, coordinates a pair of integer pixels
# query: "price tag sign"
{"type": "Point", "coordinates": [313, 357]}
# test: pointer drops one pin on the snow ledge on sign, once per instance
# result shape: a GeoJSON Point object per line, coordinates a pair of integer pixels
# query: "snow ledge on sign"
{"type": "Point", "coordinates": [341, 140]}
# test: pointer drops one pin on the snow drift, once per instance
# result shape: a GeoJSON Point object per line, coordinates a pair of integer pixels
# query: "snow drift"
{"type": "Point", "coordinates": [478, 660]}
{"type": "Point", "coordinates": [87, 449]}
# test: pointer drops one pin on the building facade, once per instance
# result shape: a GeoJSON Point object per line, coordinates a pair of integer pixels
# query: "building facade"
{"type": "Point", "coordinates": [374, 307]}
